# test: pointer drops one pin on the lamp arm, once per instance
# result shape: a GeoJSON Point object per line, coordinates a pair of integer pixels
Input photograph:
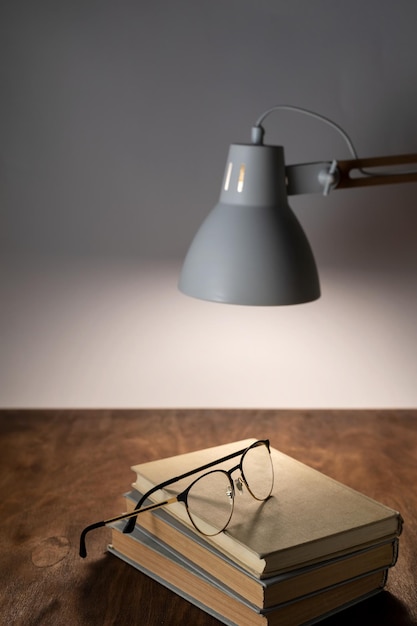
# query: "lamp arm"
{"type": "Point", "coordinates": [345, 168]}
{"type": "Point", "coordinates": [322, 176]}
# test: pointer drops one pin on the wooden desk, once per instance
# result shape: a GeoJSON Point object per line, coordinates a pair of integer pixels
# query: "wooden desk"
{"type": "Point", "coordinates": [61, 470]}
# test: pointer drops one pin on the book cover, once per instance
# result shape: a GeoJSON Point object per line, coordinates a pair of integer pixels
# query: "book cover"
{"type": "Point", "coordinates": [203, 590]}
{"type": "Point", "coordinates": [309, 517]}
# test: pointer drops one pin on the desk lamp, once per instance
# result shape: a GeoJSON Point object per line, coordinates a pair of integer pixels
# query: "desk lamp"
{"type": "Point", "coordinates": [251, 249]}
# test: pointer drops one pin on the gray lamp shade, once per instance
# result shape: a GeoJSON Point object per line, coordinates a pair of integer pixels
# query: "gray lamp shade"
{"type": "Point", "coordinates": [251, 249]}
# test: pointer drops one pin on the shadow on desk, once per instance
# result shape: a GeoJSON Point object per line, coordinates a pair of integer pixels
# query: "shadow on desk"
{"type": "Point", "coordinates": [383, 609]}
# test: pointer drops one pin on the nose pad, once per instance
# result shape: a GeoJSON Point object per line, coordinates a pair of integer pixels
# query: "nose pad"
{"type": "Point", "coordinates": [239, 485]}
{"type": "Point", "coordinates": [229, 493]}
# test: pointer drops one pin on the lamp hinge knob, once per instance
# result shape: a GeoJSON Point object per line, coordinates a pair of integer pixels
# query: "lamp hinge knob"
{"type": "Point", "coordinates": [329, 179]}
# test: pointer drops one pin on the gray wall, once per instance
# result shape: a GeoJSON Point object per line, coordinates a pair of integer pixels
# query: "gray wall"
{"type": "Point", "coordinates": [115, 123]}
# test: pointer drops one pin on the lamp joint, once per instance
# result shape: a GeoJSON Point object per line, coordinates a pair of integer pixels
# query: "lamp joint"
{"type": "Point", "coordinates": [329, 178]}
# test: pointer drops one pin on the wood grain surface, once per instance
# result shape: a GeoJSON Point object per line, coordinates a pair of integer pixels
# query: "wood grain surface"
{"type": "Point", "coordinates": [63, 469]}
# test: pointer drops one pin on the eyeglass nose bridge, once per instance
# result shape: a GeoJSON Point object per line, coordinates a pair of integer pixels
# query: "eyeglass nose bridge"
{"type": "Point", "coordinates": [239, 484]}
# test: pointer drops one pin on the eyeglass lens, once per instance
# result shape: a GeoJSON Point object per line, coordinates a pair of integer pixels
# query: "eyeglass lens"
{"type": "Point", "coordinates": [257, 471]}
{"type": "Point", "coordinates": [210, 498]}
{"type": "Point", "coordinates": [210, 502]}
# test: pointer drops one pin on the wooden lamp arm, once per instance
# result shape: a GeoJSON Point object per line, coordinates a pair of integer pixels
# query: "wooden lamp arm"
{"type": "Point", "coordinates": [346, 168]}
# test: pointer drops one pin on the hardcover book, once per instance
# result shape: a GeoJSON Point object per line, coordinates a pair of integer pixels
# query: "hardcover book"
{"type": "Point", "coordinates": [181, 541]}
{"type": "Point", "coordinates": [308, 519]}
{"type": "Point", "coordinates": [195, 585]}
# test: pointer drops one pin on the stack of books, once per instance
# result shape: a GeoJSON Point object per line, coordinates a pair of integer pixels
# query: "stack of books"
{"type": "Point", "coordinates": [312, 549]}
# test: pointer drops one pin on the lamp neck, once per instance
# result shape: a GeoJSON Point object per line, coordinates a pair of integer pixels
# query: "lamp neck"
{"type": "Point", "coordinates": [254, 176]}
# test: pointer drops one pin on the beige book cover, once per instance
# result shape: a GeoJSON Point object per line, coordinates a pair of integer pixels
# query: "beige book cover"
{"type": "Point", "coordinates": [308, 518]}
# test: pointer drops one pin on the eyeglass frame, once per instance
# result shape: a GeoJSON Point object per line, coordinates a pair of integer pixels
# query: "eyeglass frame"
{"type": "Point", "coordinates": [182, 496]}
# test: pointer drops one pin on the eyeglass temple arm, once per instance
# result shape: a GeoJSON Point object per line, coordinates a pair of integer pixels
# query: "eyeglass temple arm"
{"type": "Point", "coordinates": [83, 549]}
{"type": "Point", "coordinates": [131, 523]}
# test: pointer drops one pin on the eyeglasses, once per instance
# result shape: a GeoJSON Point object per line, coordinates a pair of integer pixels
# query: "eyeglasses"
{"type": "Point", "coordinates": [209, 499]}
